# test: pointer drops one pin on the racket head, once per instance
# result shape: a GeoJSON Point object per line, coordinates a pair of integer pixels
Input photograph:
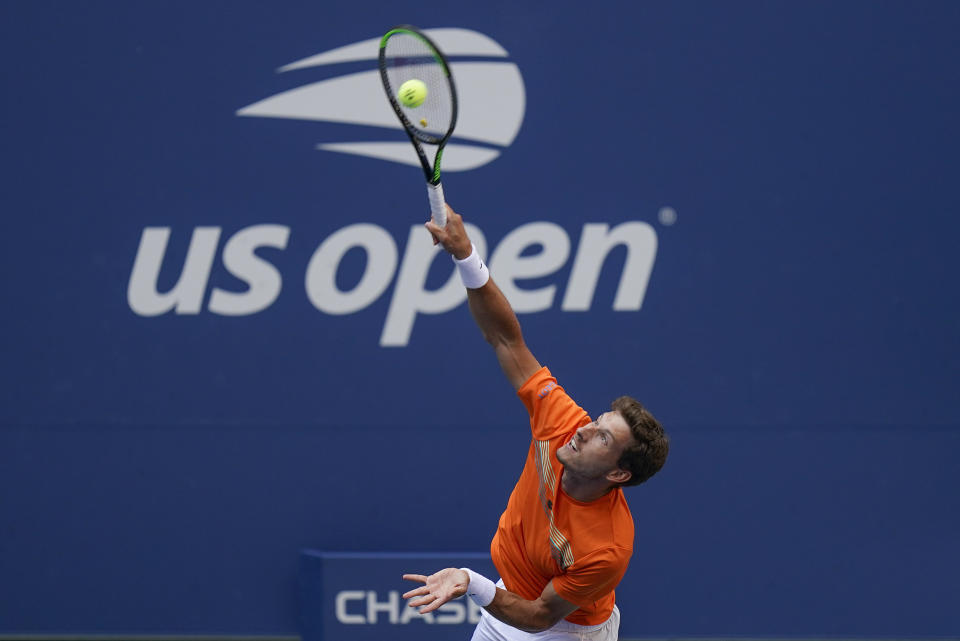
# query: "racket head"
{"type": "Point", "coordinates": [406, 53]}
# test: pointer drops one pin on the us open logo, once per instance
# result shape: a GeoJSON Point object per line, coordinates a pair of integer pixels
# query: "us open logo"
{"type": "Point", "coordinates": [492, 100]}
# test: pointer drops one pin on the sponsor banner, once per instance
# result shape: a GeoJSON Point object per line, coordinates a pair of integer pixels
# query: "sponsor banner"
{"type": "Point", "coordinates": [357, 596]}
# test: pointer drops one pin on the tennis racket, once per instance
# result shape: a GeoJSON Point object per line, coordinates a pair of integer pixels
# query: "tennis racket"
{"type": "Point", "coordinates": [406, 54]}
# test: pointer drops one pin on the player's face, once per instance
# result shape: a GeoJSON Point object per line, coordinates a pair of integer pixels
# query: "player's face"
{"type": "Point", "coordinates": [595, 448]}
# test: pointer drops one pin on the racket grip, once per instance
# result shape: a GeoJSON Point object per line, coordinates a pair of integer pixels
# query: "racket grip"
{"type": "Point", "coordinates": [438, 206]}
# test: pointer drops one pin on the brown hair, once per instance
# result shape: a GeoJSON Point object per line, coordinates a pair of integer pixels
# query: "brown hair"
{"type": "Point", "coordinates": [648, 453]}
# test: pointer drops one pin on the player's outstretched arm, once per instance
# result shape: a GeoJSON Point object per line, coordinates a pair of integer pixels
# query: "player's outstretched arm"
{"type": "Point", "coordinates": [530, 616]}
{"type": "Point", "coordinates": [490, 308]}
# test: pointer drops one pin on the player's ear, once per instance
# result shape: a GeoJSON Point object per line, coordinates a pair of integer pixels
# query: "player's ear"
{"type": "Point", "coordinates": [619, 475]}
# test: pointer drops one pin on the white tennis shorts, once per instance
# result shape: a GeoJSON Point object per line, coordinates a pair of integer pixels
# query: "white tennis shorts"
{"type": "Point", "coordinates": [492, 629]}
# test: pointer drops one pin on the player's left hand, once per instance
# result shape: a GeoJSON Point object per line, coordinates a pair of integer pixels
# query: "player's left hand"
{"type": "Point", "coordinates": [438, 588]}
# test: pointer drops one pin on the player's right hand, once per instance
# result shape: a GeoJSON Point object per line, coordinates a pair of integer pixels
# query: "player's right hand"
{"type": "Point", "coordinates": [453, 237]}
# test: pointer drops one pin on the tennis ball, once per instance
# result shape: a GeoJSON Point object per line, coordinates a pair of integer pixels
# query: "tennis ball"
{"type": "Point", "coordinates": [412, 93]}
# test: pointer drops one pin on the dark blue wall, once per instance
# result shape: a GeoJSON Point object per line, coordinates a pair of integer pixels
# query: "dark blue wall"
{"type": "Point", "coordinates": [798, 334]}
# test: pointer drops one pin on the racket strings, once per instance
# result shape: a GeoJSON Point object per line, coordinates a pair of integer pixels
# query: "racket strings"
{"type": "Point", "coordinates": [406, 58]}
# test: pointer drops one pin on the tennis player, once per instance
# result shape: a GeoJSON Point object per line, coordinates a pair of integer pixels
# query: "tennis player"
{"type": "Point", "coordinates": [565, 539]}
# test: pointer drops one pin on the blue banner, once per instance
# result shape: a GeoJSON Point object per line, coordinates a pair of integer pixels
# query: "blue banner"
{"type": "Point", "coordinates": [227, 336]}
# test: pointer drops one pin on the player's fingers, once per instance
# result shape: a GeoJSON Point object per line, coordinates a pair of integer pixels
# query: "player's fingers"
{"type": "Point", "coordinates": [433, 606]}
{"type": "Point", "coordinates": [454, 216]}
{"type": "Point", "coordinates": [424, 600]}
{"type": "Point", "coordinates": [417, 592]}
{"type": "Point", "coordinates": [434, 229]}
{"type": "Point", "coordinates": [415, 577]}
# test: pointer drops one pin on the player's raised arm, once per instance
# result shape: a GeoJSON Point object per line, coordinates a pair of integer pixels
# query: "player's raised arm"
{"type": "Point", "coordinates": [489, 306]}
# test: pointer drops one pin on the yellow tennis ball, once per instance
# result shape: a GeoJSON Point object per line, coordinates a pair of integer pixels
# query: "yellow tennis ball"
{"type": "Point", "coordinates": [412, 93]}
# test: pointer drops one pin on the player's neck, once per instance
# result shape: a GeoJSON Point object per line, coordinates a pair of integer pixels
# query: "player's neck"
{"type": "Point", "coordinates": [582, 489]}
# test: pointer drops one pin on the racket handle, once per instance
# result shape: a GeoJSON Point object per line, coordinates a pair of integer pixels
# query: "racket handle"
{"type": "Point", "coordinates": [438, 206]}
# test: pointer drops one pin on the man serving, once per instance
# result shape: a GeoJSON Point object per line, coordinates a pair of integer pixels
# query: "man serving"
{"type": "Point", "coordinates": [565, 539]}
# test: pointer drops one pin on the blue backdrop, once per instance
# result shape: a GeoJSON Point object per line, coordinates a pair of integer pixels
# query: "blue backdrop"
{"type": "Point", "coordinates": [768, 193]}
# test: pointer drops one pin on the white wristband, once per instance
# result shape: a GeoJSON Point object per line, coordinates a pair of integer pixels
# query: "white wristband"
{"type": "Point", "coordinates": [473, 272]}
{"type": "Point", "coordinates": [481, 589]}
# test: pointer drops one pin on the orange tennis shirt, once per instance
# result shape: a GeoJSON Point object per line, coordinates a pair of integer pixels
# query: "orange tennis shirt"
{"type": "Point", "coordinates": [544, 534]}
